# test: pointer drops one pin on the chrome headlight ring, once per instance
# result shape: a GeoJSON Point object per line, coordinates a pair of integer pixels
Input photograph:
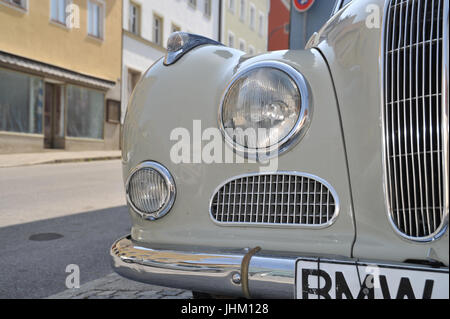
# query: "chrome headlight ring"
{"type": "Point", "coordinates": [170, 185]}
{"type": "Point", "coordinates": [297, 132]}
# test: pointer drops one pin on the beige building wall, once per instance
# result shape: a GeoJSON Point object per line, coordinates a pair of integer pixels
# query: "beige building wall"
{"type": "Point", "coordinates": [240, 30]}
{"type": "Point", "coordinates": [31, 34]}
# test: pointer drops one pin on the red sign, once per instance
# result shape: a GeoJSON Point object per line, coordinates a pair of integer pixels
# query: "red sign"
{"type": "Point", "coordinates": [303, 5]}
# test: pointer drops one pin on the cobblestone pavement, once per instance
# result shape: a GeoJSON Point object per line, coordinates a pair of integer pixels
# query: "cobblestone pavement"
{"type": "Point", "coordinates": [115, 287]}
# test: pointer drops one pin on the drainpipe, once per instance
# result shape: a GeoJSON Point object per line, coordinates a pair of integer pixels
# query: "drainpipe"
{"type": "Point", "coordinates": [219, 38]}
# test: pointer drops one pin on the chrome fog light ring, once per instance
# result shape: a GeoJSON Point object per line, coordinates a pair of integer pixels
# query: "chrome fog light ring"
{"type": "Point", "coordinates": [297, 131]}
{"type": "Point", "coordinates": [157, 171]}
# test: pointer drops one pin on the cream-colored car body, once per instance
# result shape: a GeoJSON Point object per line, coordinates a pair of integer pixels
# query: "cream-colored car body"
{"type": "Point", "coordinates": [343, 146]}
{"type": "Point", "coordinates": [173, 97]}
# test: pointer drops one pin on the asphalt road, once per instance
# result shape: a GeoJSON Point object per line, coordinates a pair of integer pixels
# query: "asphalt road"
{"type": "Point", "coordinates": [55, 215]}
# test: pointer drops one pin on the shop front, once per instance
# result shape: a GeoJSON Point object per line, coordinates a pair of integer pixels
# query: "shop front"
{"type": "Point", "coordinates": [50, 108]}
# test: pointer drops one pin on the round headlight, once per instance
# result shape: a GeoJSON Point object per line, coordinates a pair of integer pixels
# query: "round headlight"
{"type": "Point", "coordinates": [150, 190]}
{"type": "Point", "coordinates": [264, 109]}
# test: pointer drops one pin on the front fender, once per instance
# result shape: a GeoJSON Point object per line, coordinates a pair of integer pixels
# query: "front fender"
{"type": "Point", "coordinates": [353, 51]}
{"type": "Point", "coordinates": [171, 97]}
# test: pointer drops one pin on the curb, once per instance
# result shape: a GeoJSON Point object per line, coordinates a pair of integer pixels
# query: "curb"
{"type": "Point", "coordinates": [63, 161]}
{"type": "Point", "coordinates": [74, 160]}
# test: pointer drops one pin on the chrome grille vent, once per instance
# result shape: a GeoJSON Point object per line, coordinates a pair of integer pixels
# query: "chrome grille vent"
{"type": "Point", "coordinates": [415, 116]}
{"type": "Point", "coordinates": [289, 199]}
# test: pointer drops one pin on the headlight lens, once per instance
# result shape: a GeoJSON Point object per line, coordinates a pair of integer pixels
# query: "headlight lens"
{"type": "Point", "coordinates": [151, 190]}
{"type": "Point", "coordinates": [263, 106]}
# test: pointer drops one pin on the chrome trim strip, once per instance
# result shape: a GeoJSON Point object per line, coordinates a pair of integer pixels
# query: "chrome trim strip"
{"type": "Point", "coordinates": [170, 186]}
{"type": "Point", "coordinates": [445, 127]}
{"type": "Point", "coordinates": [297, 132]}
{"type": "Point", "coordinates": [280, 225]}
{"type": "Point", "coordinates": [445, 111]}
{"type": "Point", "coordinates": [211, 271]}
{"type": "Point", "coordinates": [411, 128]}
{"type": "Point", "coordinates": [337, 7]}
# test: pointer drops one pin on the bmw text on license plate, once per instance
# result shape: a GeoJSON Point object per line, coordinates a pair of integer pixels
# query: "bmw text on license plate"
{"type": "Point", "coordinates": [326, 279]}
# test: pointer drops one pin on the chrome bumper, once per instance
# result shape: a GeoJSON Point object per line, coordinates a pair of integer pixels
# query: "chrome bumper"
{"type": "Point", "coordinates": [244, 273]}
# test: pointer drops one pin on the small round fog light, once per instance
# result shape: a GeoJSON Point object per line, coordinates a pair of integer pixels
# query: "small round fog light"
{"type": "Point", "coordinates": [150, 190]}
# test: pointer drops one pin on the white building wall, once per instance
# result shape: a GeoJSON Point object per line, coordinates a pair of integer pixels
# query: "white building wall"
{"type": "Point", "coordinates": [138, 51]}
{"type": "Point", "coordinates": [178, 12]}
{"type": "Point", "coordinates": [137, 56]}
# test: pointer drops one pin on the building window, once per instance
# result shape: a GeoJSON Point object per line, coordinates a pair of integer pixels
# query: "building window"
{"type": "Point", "coordinates": [85, 112]}
{"type": "Point", "coordinates": [252, 16]}
{"type": "Point", "coordinates": [231, 5]}
{"type": "Point", "coordinates": [21, 103]}
{"type": "Point", "coordinates": [113, 111]}
{"type": "Point", "coordinates": [58, 11]}
{"type": "Point", "coordinates": [175, 28]}
{"type": "Point", "coordinates": [207, 8]}
{"type": "Point", "coordinates": [261, 24]}
{"type": "Point", "coordinates": [96, 18]}
{"type": "Point", "coordinates": [241, 45]}
{"type": "Point", "coordinates": [193, 3]}
{"type": "Point", "coordinates": [230, 40]}
{"type": "Point", "coordinates": [133, 79]}
{"type": "Point", "coordinates": [157, 30]}
{"type": "Point", "coordinates": [20, 4]}
{"type": "Point", "coordinates": [242, 10]}
{"type": "Point", "coordinates": [251, 50]}
{"type": "Point", "coordinates": [135, 19]}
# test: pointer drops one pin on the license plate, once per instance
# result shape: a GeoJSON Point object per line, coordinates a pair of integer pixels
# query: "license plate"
{"type": "Point", "coordinates": [327, 279]}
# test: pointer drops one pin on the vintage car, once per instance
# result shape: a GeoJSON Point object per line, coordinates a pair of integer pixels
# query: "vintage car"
{"type": "Point", "coordinates": [344, 194]}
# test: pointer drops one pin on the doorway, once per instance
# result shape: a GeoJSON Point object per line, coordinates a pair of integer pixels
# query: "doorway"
{"type": "Point", "coordinates": [54, 116]}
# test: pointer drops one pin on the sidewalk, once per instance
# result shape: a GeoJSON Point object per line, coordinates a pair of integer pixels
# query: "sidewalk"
{"type": "Point", "coordinates": [28, 159]}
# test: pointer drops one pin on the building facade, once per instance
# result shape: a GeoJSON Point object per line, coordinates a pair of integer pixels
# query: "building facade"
{"type": "Point", "coordinates": [278, 35]}
{"type": "Point", "coordinates": [245, 24]}
{"type": "Point", "coordinates": [68, 67]}
{"type": "Point", "coordinates": [147, 26]}
{"type": "Point", "coordinates": [60, 68]}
